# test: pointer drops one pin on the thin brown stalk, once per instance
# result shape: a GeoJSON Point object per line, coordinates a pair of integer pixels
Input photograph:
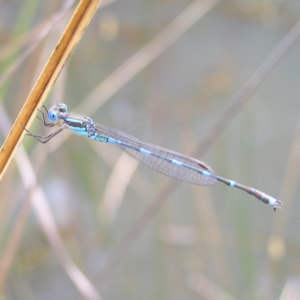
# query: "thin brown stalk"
{"type": "Point", "coordinates": [71, 36]}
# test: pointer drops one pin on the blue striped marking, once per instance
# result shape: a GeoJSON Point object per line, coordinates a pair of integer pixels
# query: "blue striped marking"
{"type": "Point", "coordinates": [113, 141]}
{"type": "Point", "coordinates": [205, 173]}
{"type": "Point", "coordinates": [79, 130]}
{"type": "Point", "coordinates": [176, 162]}
{"type": "Point", "coordinates": [142, 150]}
{"type": "Point", "coordinates": [99, 137]}
{"type": "Point", "coordinates": [272, 201]}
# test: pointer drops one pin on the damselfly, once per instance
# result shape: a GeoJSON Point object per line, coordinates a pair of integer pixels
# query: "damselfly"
{"type": "Point", "coordinates": [165, 161]}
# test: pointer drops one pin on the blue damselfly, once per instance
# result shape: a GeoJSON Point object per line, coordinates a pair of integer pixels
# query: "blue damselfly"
{"type": "Point", "coordinates": [165, 161]}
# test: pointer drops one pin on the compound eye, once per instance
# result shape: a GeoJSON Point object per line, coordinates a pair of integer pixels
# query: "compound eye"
{"type": "Point", "coordinates": [62, 107]}
{"type": "Point", "coordinates": [52, 115]}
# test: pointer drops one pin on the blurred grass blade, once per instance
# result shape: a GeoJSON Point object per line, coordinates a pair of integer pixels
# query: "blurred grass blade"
{"type": "Point", "coordinates": [31, 40]}
{"type": "Point", "coordinates": [237, 103]}
{"type": "Point", "coordinates": [137, 62]}
{"type": "Point", "coordinates": [206, 288]}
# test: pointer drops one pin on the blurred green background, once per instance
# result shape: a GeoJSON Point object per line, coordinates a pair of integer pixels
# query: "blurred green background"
{"type": "Point", "coordinates": [203, 242]}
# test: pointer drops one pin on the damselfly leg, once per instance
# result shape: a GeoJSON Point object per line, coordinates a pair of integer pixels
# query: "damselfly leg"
{"type": "Point", "coordinates": [43, 120]}
{"type": "Point", "coordinates": [41, 138]}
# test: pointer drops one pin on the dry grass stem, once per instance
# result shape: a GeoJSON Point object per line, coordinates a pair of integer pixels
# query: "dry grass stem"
{"type": "Point", "coordinates": [75, 29]}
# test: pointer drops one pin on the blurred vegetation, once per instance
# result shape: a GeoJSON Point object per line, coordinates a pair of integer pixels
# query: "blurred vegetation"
{"type": "Point", "coordinates": [91, 204]}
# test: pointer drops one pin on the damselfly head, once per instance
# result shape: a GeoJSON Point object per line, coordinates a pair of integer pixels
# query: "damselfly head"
{"type": "Point", "coordinates": [55, 113]}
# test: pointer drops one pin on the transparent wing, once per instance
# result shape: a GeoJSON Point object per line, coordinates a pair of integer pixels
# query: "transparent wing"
{"type": "Point", "coordinates": [160, 159]}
